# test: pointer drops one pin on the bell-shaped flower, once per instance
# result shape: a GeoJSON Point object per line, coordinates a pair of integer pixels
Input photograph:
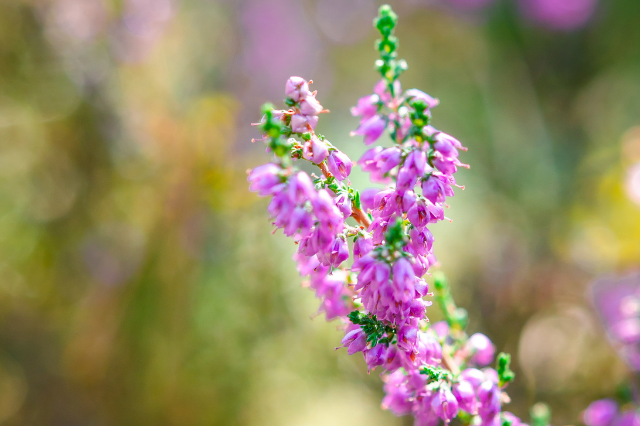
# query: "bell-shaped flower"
{"type": "Point", "coordinates": [419, 94]}
{"type": "Point", "coordinates": [301, 188]}
{"type": "Point", "coordinates": [444, 404]}
{"type": "Point", "coordinates": [303, 123]}
{"type": "Point", "coordinates": [382, 89]}
{"type": "Point", "coordinates": [489, 400]}
{"type": "Point", "coordinates": [296, 88]}
{"type": "Point", "coordinates": [418, 215]}
{"type": "Point", "coordinates": [366, 108]}
{"type": "Point", "coordinates": [339, 164]}
{"type": "Point", "coordinates": [417, 162]}
{"type": "Point", "coordinates": [406, 179]}
{"type": "Point", "coordinates": [315, 150]}
{"type": "Point", "coordinates": [466, 396]}
{"type": "Point", "coordinates": [421, 240]}
{"type": "Point", "coordinates": [473, 376]}
{"type": "Point", "coordinates": [300, 223]}
{"type": "Point", "coordinates": [309, 105]}
{"type": "Point", "coordinates": [343, 202]}
{"type": "Point", "coordinates": [371, 129]}
{"type": "Point", "coordinates": [388, 158]}
{"type": "Point", "coordinates": [362, 246]}
{"type": "Point", "coordinates": [397, 399]}
{"type": "Point", "coordinates": [355, 341]}
{"type": "Point", "coordinates": [482, 349]}
{"type": "Point", "coordinates": [374, 356]}
{"type": "Point", "coordinates": [280, 208]}
{"type": "Point", "coordinates": [266, 180]}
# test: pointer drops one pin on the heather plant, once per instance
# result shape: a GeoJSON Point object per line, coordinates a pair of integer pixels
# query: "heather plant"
{"type": "Point", "coordinates": [366, 253]}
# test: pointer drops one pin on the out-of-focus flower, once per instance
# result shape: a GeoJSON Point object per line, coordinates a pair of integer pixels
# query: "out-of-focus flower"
{"type": "Point", "coordinates": [483, 349]}
{"type": "Point", "coordinates": [564, 15]}
{"type": "Point", "coordinates": [617, 300]}
{"type": "Point", "coordinates": [600, 412]}
{"type": "Point", "coordinates": [632, 183]}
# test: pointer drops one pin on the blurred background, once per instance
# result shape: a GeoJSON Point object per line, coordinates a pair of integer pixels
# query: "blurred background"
{"type": "Point", "coordinates": [139, 280]}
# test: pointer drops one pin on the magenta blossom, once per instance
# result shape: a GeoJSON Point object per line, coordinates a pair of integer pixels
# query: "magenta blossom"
{"type": "Point", "coordinates": [315, 150]}
{"type": "Point", "coordinates": [339, 165]}
{"type": "Point", "coordinates": [366, 108]}
{"type": "Point", "coordinates": [371, 129]}
{"type": "Point", "coordinates": [297, 88]}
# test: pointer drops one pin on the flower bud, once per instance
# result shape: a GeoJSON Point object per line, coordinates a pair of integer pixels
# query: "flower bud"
{"type": "Point", "coordinates": [374, 356]}
{"type": "Point", "coordinates": [296, 88]}
{"type": "Point", "coordinates": [388, 158]}
{"type": "Point", "coordinates": [444, 404]}
{"type": "Point", "coordinates": [466, 397]}
{"type": "Point", "coordinates": [315, 150]}
{"type": "Point", "coordinates": [309, 105]}
{"type": "Point", "coordinates": [355, 341]}
{"type": "Point", "coordinates": [301, 188]}
{"type": "Point", "coordinates": [489, 399]}
{"type": "Point", "coordinates": [421, 240]}
{"type": "Point", "coordinates": [303, 123]}
{"type": "Point", "coordinates": [483, 349]}
{"type": "Point", "coordinates": [406, 179]}
{"type": "Point", "coordinates": [371, 129]}
{"type": "Point", "coordinates": [418, 215]}
{"type": "Point", "coordinates": [339, 165]}
{"type": "Point", "coordinates": [362, 246]}
{"type": "Point", "coordinates": [473, 376]}
{"type": "Point", "coordinates": [366, 108]}
{"type": "Point", "coordinates": [419, 94]}
{"type": "Point", "coordinates": [417, 161]}
{"type": "Point", "coordinates": [265, 179]}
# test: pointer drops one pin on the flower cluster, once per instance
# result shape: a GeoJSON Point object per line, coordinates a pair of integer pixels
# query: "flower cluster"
{"type": "Point", "coordinates": [617, 300]}
{"type": "Point", "coordinates": [434, 372]}
{"type": "Point", "coordinates": [311, 211]}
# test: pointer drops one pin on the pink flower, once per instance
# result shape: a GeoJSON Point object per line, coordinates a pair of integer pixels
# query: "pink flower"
{"type": "Point", "coordinates": [366, 108]}
{"type": "Point", "coordinates": [362, 246]}
{"type": "Point", "coordinates": [315, 150]}
{"type": "Point", "coordinates": [382, 90]}
{"type": "Point", "coordinates": [371, 129]}
{"type": "Point", "coordinates": [303, 123]}
{"type": "Point", "coordinates": [296, 88]}
{"type": "Point", "coordinates": [265, 179]}
{"type": "Point", "coordinates": [388, 158]}
{"type": "Point", "coordinates": [339, 165]}
{"type": "Point", "coordinates": [600, 412]}
{"type": "Point", "coordinates": [466, 396]}
{"type": "Point", "coordinates": [483, 349]}
{"type": "Point", "coordinates": [309, 105]}
{"type": "Point", "coordinates": [355, 341]}
{"type": "Point", "coordinates": [444, 404]}
{"type": "Point", "coordinates": [419, 94]}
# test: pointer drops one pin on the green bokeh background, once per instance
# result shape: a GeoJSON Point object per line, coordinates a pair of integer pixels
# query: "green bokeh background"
{"type": "Point", "coordinates": [139, 280]}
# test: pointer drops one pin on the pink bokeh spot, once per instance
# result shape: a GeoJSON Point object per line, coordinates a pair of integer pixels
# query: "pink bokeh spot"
{"type": "Point", "coordinates": [562, 15]}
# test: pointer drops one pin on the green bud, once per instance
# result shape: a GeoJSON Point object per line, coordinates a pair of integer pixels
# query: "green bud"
{"type": "Point", "coordinates": [440, 281]}
{"type": "Point", "coordinates": [540, 414]}
{"type": "Point", "coordinates": [461, 317]}
{"type": "Point", "coordinates": [267, 108]}
{"type": "Point", "coordinates": [395, 233]}
{"type": "Point", "coordinates": [505, 374]}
